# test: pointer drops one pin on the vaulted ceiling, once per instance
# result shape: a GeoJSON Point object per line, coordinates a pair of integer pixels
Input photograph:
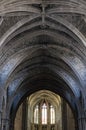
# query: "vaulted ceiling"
{"type": "Point", "coordinates": [41, 42]}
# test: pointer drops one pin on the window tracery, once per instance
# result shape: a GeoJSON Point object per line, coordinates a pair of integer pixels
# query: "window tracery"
{"type": "Point", "coordinates": [45, 111]}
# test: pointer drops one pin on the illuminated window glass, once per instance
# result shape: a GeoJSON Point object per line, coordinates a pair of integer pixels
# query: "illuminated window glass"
{"type": "Point", "coordinates": [52, 115]}
{"type": "Point", "coordinates": [41, 112]}
{"type": "Point", "coordinates": [44, 113]}
{"type": "Point", "coordinates": [36, 116]}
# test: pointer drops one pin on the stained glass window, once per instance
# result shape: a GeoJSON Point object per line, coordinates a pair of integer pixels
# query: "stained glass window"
{"type": "Point", "coordinates": [41, 112]}
{"type": "Point", "coordinates": [36, 114]}
{"type": "Point", "coordinates": [52, 115]}
{"type": "Point", "coordinates": [44, 113]}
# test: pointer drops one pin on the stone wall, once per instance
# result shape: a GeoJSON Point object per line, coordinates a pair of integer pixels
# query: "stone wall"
{"type": "Point", "coordinates": [18, 119]}
{"type": "Point", "coordinates": [70, 119]}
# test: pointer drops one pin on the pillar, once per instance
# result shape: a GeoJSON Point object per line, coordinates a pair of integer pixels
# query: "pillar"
{"type": "Point", "coordinates": [28, 116]}
{"type": "Point", "coordinates": [0, 119]}
{"type": "Point", "coordinates": [82, 123]}
{"type": "Point", "coordinates": [64, 115]}
{"type": "Point", "coordinates": [4, 124]}
{"type": "Point", "coordinates": [24, 115]}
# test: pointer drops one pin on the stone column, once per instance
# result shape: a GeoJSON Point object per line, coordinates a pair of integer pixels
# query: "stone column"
{"type": "Point", "coordinates": [82, 123]}
{"type": "Point", "coordinates": [0, 119]}
{"type": "Point", "coordinates": [24, 115]}
{"type": "Point", "coordinates": [32, 120]}
{"type": "Point", "coordinates": [28, 116]}
{"type": "Point", "coordinates": [64, 115]}
{"type": "Point", "coordinates": [5, 124]}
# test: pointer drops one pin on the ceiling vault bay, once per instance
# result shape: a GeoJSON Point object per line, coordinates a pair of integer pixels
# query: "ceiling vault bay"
{"type": "Point", "coordinates": [41, 39]}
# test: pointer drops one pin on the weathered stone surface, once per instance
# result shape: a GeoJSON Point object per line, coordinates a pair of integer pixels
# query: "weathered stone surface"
{"type": "Point", "coordinates": [42, 42]}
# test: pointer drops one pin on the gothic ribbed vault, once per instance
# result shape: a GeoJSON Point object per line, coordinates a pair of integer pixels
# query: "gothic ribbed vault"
{"type": "Point", "coordinates": [43, 46]}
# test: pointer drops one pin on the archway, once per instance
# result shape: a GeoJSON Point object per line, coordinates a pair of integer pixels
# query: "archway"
{"type": "Point", "coordinates": [42, 47]}
{"type": "Point", "coordinates": [60, 88]}
{"type": "Point", "coordinates": [44, 110]}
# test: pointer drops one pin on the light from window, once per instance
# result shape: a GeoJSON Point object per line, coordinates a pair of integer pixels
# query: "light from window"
{"type": "Point", "coordinates": [52, 115]}
{"type": "Point", "coordinates": [36, 116]}
{"type": "Point", "coordinates": [41, 111]}
{"type": "Point", "coordinates": [44, 113]}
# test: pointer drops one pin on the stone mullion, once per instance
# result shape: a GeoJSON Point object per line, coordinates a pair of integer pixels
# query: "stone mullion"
{"type": "Point", "coordinates": [55, 119]}
{"type": "Point", "coordinates": [48, 117]}
{"type": "Point", "coordinates": [40, 117]}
